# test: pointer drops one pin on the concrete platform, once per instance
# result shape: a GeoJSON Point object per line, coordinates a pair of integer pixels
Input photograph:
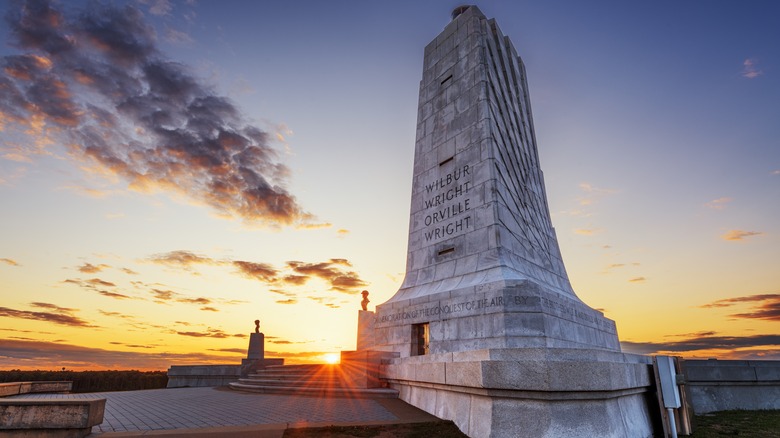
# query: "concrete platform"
{"type": "Point", "coordinates": [212, 412]}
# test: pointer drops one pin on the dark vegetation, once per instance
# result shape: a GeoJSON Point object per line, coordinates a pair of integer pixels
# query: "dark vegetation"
{"type": "Point", "coordinates": [745, 424]}
{"type": "Point", "coordinates": [93, 381]}
{"type": "Point", "coordinates": [434, 429]}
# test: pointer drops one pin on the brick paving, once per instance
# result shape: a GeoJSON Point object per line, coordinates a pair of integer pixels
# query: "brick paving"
{"type": "Point", "coordinates": [188, 408]}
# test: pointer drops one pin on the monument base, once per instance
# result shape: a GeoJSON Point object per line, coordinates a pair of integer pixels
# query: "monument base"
{"type": "Point", "coordinates": [530, 392]}
{"type": "Point", "coordinates": [499, 314]}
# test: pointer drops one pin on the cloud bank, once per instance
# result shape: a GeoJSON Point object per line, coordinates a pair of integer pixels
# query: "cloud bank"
{"type": "Point", "coordinates": [95, 80]}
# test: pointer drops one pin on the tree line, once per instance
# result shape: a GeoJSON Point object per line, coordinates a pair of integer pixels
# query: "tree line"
{"type": "Point", "coordinates": [93, 381]}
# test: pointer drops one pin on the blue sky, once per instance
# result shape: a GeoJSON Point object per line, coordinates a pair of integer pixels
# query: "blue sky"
{"type": "Point", "coordinates": [657, 126]}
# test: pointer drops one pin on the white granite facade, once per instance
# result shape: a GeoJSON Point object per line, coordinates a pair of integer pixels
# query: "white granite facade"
{"type": "Point", "coordinates": [480, 226]}
{"type": "Point", "coordinates": [478, 201]}
{"type": "Point", "coordinates": [486, 329]}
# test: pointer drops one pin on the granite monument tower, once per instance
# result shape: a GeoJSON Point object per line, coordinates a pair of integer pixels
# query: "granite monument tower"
{"type": "Point", "coordinates": [486, 329]}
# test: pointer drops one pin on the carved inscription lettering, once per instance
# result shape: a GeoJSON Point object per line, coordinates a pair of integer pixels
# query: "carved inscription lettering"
{"type": "Point", "coordinates": [435, 311]}
{"type": "Point", "coordinates": [447, 204]}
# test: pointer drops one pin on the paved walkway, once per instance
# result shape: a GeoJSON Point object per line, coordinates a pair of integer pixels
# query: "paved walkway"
{"type": "Point", "coordinates": [233, 413]}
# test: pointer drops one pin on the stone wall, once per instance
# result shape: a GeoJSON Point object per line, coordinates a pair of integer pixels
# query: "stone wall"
{"type": "Point", "coordinates": [720, 385]}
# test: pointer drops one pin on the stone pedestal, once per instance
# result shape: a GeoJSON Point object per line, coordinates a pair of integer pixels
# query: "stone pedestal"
{"type": "Point", "coordinates": [365, 332]}
{"type": "Point", "coordinates": [256, 348]}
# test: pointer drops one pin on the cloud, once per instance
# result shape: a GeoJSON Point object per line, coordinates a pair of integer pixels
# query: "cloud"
{"type": "Point", "coordinates": [692, 346]}
{"type": "Point", "coordinates": [257, 271]}
{"type": "Point", "coordinates": [10, 262]}
{"type": "Point", "coordinates": [158, 7]}
{"type": "Point", "coordinates": [116, 295]}
{"type": "Point", "coordinates": [181, 259]}
{"type": "Point", "coordinates": [593, 194]}
{"type": "Point", "coordinates": [776, 172]}
{"type": "Point", "coordinates": [163, 296]}
{"type": "Point", "coordinates": [718, 204]}
{"type": "Point", "coordinates": [341, 232]}
{"type": "Point", "coordinates": [767, 306]}
{"type": "Point", "coordinates": [287, 301]}
{"type": "Point", "coordinates": [637, 280]}
{"type": "Point", "coordinates": [736, 235]}
{"type": "Point", "coordinates": [99, 282]}
{"type": "Point", "coordinates": [129, 271]}
{"type": "Point", "coordinates": [340, 280]}
{"type": "Point", "coordinates": [297, 280]}
{"type": "Point", "coordinates": [88, 268]}
{"type": "Point", "coordinates": [228, 350]}
{"type": "Point", "coordinates": [750, 70]}
{"type": "Point", "coordinates": [54, 314]}
{"type": "Point", "coordinates": [95, 80]}
{"type": "Point", "coordinates": [210, 333]}
{"type": "Point", "coordinates": [23, 354]}
{"type": "Point", "coordinates": [586, 231]}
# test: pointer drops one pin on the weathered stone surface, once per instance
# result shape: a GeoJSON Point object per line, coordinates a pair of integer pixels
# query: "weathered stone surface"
{"type": "Point", "coordinates": [16, 388]}
{"type": "Point", "coordinates": [51, 418]}
{"type": "Point", "coordinates": [489, 332]}
{"type": "Point", "coordinates": [365, 331]}
{"type": "Point", "coordinates": [180, 376]}
{"type": "Point", "coordinates": [256, 348]}
{"type": "Point", "coordinates": [719, 385]}
{"type": "Point", "coordinates": [532, 392]}
{"type": "Point", "coordinates": [361, 369]}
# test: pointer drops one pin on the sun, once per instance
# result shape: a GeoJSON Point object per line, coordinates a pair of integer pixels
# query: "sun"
{"type": "Point", "coordinates": [331, 358]}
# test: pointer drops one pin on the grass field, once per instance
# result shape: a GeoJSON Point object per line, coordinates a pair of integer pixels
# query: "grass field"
{"type": "Point", "coordinates": [435, 429]}
{"type": "Point", "coordinates": [744, 424]}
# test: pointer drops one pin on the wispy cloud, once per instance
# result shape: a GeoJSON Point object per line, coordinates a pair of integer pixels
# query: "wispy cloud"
{"type": "Point", "coordinates": [211, 333]}
{"type": "Point", "coordinates": [765, 306]}
{"type": "Point", "coordinates": [750, 70]}
{"type": "Point", "coordinates": [638, 280]}
{"type": "Point", "coordinates": [11, 262]}
{"type": "Point", "coordinates": [257, 271]}
{"type": "Point", "coordinates": [52, 313]}
{"type": "Point", "coordinates": [89, 268]}
{"type": "Point", "coordinates": [158, 7]}
{"type": "Point", "coordinates": [586, 231]}
{"type": "Point", "coordinates": [776, 172]}
{"type": "Point", "coordinates": [737, 235]}
{"type": "Point", "coordinates": [182, 259]}
{"type": "Point", "coordinates": [718, 204]}
{"type": "Point", "coordinates": [335, 272]}
{"type": "Point", "coordinates": [340, 280]}
{"type": "Point", "coordinates": [96, 80]}
{"type": "Point", "coordinates": [735, 346]}
{"type": "Point", "coordinates": [31, 354]}
{"type": "Point", "coordinates": [593, 194]}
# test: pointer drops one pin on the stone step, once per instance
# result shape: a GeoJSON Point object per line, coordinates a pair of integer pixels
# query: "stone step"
{"type": "Point", "coordinates": [296, 374]}
{"type": "Point", "coordinates": [296, 383]}
{"type": "Point", "coordinates": [319, 392]}
{"type": "Point", "coordinates": [296, 378]}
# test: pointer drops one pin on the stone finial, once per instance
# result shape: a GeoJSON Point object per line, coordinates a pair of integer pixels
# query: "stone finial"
{"type": "Point", "coordinates": [257, 326]}
{"type": "Point", "coordinates": [365, 301]}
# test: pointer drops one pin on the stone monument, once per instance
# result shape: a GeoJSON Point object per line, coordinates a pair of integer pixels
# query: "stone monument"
{"type": "Point", "coordinates": [486, 327]}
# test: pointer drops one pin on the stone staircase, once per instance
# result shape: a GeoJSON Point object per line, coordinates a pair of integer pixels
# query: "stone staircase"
{"type": "Point", "coordinates": [318, 380]}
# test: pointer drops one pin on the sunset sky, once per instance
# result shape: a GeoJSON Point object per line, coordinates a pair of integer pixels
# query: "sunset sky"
{"type": "Point", "coordinates": [171, 171]}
